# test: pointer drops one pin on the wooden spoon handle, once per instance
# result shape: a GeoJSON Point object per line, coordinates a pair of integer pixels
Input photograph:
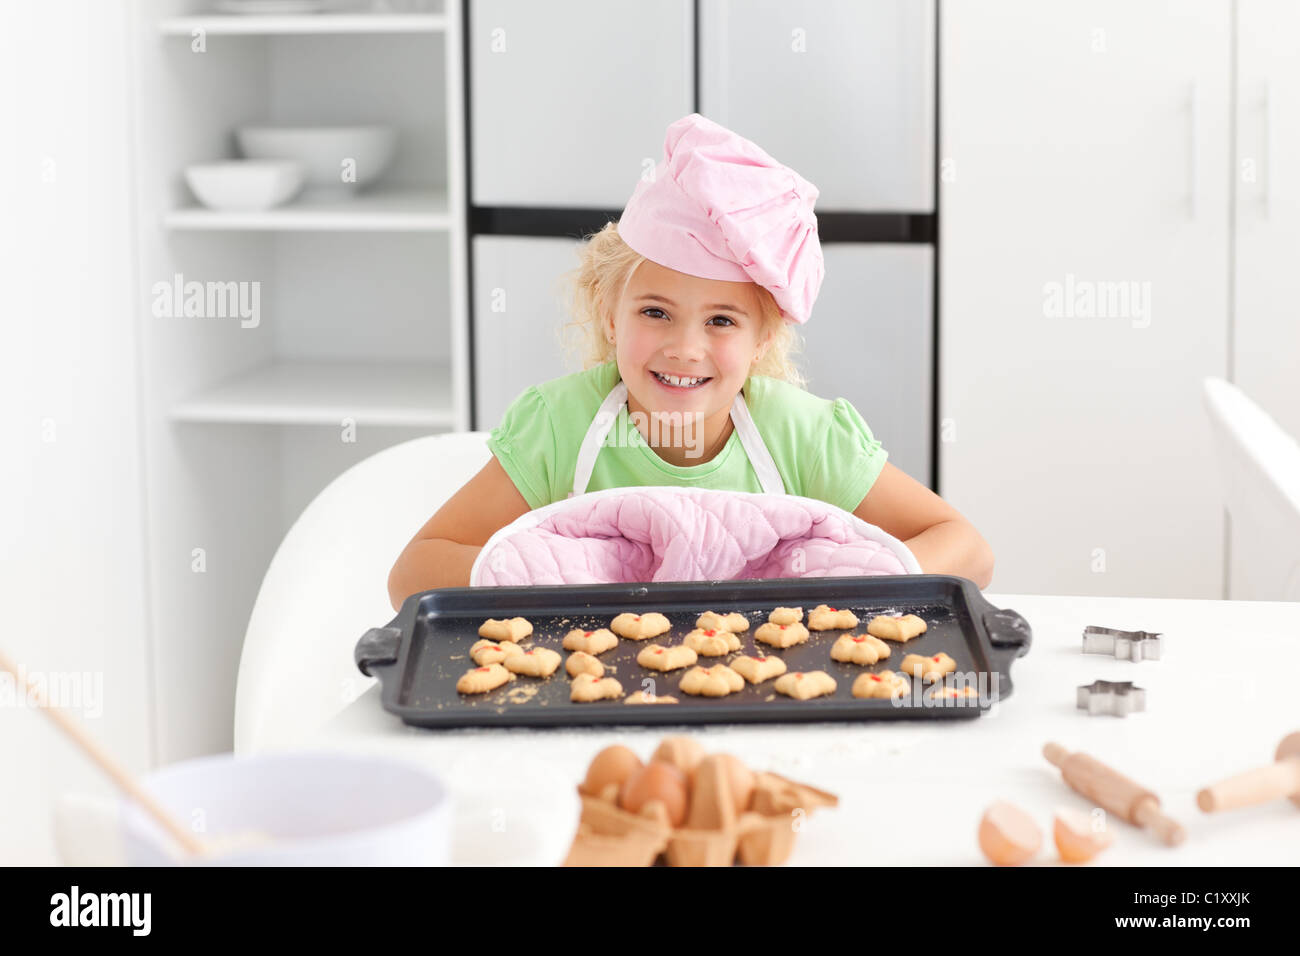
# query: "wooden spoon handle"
{"type": "Point", "coordinates": [116, 771]}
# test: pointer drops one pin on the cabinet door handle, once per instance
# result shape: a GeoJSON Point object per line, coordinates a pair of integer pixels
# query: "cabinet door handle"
{"type": "Point", "coordinates": [1268, 149]}
{"type": "Point", "coordinates": [1191, 148]}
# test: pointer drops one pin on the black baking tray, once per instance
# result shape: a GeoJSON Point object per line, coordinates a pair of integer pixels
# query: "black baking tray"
{"type": "Point", "coordinates": [421, 653]}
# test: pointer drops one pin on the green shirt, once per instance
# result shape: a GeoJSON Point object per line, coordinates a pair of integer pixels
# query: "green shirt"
{"type": "Point", "coordinates": [822, 448]}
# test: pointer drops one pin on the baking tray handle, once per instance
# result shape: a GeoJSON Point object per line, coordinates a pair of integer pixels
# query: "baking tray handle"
{"type": "Point", "coordinates": [379, 645]}
{"type": "Point", "coordinates": [1006, 628]}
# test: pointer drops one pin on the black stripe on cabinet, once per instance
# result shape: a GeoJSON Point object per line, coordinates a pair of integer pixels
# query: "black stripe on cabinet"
{"type": "Point", "coordinates": [576, 223]}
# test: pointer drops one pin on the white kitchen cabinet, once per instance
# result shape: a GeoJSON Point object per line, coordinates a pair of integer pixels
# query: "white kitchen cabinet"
{"type": "Point", "coordinates": [1084, 273]}
{"type": "Point", "coordinates": [570, 100]}
{"type": "Point", "coordinates": [871, 340]}
{"type": "Point", "coordinates": [841, 90]}
{"type": "Point", "coordinates": [1265, 343]}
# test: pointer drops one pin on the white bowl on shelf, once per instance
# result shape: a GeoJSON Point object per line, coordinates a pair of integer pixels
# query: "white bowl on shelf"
{"type": "Point", "coordinates": [328, 152]}
{"type": "Point", "coordinates": [271, 7]}
{"type": "Point", "coordinates": [244, 184]}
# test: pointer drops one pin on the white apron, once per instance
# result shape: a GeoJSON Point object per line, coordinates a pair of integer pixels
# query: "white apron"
{"type": "Point", "coordinates": [759, 457]}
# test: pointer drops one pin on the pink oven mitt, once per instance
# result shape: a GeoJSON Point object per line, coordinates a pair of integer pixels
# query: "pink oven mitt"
{"type": "Point", "coordinates": [665, 533]}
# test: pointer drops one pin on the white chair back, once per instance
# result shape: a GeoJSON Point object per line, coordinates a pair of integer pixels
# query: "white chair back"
{"type": "Point", "coordinates": [328, 584]}
{"type": "Point", "coordinates": [1259, 468]}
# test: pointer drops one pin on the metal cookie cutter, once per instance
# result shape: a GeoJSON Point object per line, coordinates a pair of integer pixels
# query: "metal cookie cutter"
{"type": "Point", "coordinates": [1124, 645]}
{"type": "Point", "coordinates": [1119, 698]}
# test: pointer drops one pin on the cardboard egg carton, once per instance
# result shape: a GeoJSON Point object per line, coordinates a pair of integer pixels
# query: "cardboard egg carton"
{"type": "Point", "coordinates": [762, 835]}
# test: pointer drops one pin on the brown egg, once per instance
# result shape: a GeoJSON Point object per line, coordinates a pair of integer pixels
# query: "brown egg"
{"type": "Point", "coordinates": [1008, 835]}
{"type": "Point", "coordinates": [1076, 836]}
{"type": "Point", "coordinates": [656, 781]}
{"type": "Point", "coordinates": [613, 765]}
{"type": "Point", "coordinates": [684, 753]}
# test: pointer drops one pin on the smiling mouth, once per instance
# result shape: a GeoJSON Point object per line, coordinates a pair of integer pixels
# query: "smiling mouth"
{"type": "Point", "coordinates": [681, 383]}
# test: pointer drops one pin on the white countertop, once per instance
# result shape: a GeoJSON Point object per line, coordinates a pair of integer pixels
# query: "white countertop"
{"type": "Point", "coordinates": [912, 792]}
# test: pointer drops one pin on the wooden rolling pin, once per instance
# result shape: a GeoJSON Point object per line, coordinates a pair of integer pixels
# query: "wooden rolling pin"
{"type": "Point", "coordinates": [1282, 779]}
{"type": "Point", "coordinates": [1114, 792]}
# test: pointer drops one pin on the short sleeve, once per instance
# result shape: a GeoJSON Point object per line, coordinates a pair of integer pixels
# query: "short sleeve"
{"type": "Point", "coordinates": [851, 460]}
{"type": "Point", "coordinates": [524, 443]}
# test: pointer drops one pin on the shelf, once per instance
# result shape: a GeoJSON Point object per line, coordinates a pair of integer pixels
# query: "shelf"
{"type": "Point", "coordinates": [256, 25]}
{"type": "Point", "coordinates": [383, 210]}
{"type": "Point", "coordinates": [326, 393]}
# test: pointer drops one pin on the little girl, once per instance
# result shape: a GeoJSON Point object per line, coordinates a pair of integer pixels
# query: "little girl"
{"type": "Point", "coordinates": [688, 306]}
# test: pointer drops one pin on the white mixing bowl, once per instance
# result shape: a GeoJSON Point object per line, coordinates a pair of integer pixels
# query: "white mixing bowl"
{"type": "Point", "coordinates": [245, 184]}
{"type": "Point", "coordinates": [319, 808]}
{"type": "Point", "coordinates": [332, 154]}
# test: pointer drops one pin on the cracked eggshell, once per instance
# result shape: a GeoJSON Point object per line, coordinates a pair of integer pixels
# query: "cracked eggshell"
{"type": "Point", "coordinates": [1008, 836]}
{"type": "Point", "coordinates": [1076, 838]}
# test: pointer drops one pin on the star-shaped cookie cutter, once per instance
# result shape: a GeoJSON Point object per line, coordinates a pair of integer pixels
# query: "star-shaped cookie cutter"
{"type": "Point", "coordinates": [1118, 698]}
{"type": "Point", "coordinates": [1124, 645]}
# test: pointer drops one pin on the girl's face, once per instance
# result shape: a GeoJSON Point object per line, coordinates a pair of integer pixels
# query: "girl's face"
{"type": "Point", "coordinates": [671, 323]}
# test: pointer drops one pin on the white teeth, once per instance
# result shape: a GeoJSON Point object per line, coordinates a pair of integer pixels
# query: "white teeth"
{"type": "Point", "coordinates": [681, 382]}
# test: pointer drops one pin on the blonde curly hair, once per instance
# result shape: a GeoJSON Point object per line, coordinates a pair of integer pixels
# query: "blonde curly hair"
{"type": "Point", "coordinates": [593, 289]}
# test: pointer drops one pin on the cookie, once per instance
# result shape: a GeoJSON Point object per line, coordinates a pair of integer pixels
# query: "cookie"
{"type": "Point", "coordinates": [886, 684]}
{"type": "Point", "coordinates": [641, 697]}
{"type": "Point", "coordinates": [486, 652]}
{"type": "Point", "coordinates": [824, 618]}
{"type": "Point", "coordinates": [733, 621]}
{"type": "Point", "coordinates": [928, 668]}
{"type": "Point", "coordinates": [593, 642]}
{"type": "Point", "coordinates": [896, 628]}
{"type": "Point", "coordinates": [660, 658]}
{"type": "Point", "coordinates": [708, 642]}
{"type": "Point", "coordinates": [859, 649]}
{"type": "Point", "coordinates": [534, 662]}
{"type": "Point", "coordinates": [483, 679]}
{"type": "Point", "coordinates": [782, 635]}
{"type": "Point", "coordinates": [954, 693]}
{"type": "Point", "coordinates": [511, 629]}
{"type": "Point", "coordinates": [580, 662]}
{"type": "Point", "coordinates": [586, 688]}
{"type": "Point", "coordinates": [805, 684]}
{"type": "Point", "coordinates": [786, 615]}
{"type": "Point", "coordinates": [637, 627]}
{"type": "Point", "coordinates": [758, 669]}
{"type": "Point", "coordinates": [716, 681]}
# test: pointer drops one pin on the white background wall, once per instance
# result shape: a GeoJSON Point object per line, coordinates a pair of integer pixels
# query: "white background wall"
{"type": "Point", "coordinates": [71, 493]}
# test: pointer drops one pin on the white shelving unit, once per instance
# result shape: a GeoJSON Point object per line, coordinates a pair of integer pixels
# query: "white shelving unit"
{"type": "Point", "coordinates": [353, 24]}
{"type": "Point", "coordinates": [362, 336]}
{"type": "Point", "coordinates": [391, 210]}
{"type": "Point", "coordinates": [327, 393]}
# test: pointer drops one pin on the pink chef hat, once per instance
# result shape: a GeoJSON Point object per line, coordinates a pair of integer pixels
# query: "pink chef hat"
{"type": "Point", "coordinates": [719, 207]}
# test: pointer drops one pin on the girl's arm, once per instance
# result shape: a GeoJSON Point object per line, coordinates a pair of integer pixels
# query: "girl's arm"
{"type": "Point", "coordinates": [442, 552]}
{"type": "Point", "coordinates": [943, 541]}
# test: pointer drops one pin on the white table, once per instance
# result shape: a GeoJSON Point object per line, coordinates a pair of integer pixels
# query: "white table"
{"type": "Point", "coordinates": [912, 792]}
